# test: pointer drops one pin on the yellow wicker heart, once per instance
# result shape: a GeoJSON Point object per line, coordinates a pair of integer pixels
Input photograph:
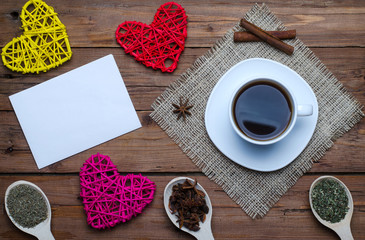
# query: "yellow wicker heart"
{"type": "Point", "coordinates": [44, 43]}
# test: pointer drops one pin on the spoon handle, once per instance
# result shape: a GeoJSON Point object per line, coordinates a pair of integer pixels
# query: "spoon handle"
{"type": "Point", "coordinates": [344, 233]}
{"type": "Point", "coordinates": [45, 235]}
{"type": "Point", "coordinates": [205, 234]}
{"type": "Point", "coordinates": [208, 236]}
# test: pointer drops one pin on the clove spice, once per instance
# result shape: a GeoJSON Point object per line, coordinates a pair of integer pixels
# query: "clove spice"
{"type": "Point", "coordinates": [189, 204]}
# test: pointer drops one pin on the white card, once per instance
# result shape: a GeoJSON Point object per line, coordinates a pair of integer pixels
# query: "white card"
{"type": "Point", "coordinates": [75, 111]}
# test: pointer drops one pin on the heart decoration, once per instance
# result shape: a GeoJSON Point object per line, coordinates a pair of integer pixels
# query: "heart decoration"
{"type": "Point", "coordinates": [110, 198]}
{"type": "Point", "coordinates": [44, 43]}
{"type": "Point", "coordinates": [160, 44]}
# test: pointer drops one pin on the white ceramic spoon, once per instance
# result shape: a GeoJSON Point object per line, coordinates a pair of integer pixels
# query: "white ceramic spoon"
{"type": "Point", "coordinates": [43, 230]}
{"type": "Point", "coordinates": [342, 228]}
{"type": "Point", "coordinates": [205, 232]}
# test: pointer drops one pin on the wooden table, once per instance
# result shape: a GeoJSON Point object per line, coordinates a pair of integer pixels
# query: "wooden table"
{"type": "Point", "coordinates": [334, 30]}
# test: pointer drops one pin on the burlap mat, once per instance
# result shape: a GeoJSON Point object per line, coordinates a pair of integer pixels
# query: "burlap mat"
{"type": "Point", "coordinates": [255, 192]}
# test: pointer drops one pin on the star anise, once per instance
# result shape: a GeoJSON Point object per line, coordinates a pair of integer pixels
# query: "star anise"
{"type": "Point", "coordinates": [183, 109]}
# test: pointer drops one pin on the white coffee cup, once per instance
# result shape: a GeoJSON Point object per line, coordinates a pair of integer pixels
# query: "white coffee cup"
{"type": "Point", "coordinates": [263, 110]}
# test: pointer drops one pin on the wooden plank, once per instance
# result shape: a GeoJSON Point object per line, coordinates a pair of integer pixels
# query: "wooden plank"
{"type": "Point", "coordinates": [347, 65]}
{"type": "Point", "coordinates": [93, 23]}
{"type": "Point", "coordinates": [134, 73]}
{"type": "Point", "coordinates": [149, 149]}
{"type": "Point", "coordinates": [229, 221]}
{"type": "Point", "coordinates": [146, 149]}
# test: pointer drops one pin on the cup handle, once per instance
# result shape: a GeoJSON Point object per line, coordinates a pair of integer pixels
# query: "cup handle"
{"type": "Point", "coordinates": [305, 110]}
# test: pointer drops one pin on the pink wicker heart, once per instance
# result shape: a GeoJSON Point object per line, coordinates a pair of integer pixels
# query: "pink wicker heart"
{"type": "Point", "coordinates": [110, 198]}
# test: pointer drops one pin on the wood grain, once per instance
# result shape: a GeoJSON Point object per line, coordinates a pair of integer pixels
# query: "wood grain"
{"type": "Point", "coordinates": [149, 149]}
{"type": "Point", "coordinates": [333, 30]}
{"type": "Point", "coordinates": [87, 25]}
{"type": "Point", "coordinates": [348, 65]}
{"type": "Point", "coordinates": [69, 221]}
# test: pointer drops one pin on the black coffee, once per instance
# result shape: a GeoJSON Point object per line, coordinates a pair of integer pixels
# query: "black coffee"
{"type": "Point", "coordinates": [262, 110]}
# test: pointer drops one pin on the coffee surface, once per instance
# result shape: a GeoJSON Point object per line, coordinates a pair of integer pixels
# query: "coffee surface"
{"type": "Point", "coordinates": [262, 110]}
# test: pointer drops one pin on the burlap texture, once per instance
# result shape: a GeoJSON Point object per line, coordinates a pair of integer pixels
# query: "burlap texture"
{"type": "Point", "coordinates": [256, 192]}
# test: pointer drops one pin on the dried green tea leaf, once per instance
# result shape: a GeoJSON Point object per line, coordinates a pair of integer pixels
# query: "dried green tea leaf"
{"type": "Point", "coordinates": [26, 206]}
{"type": "Point", "coordinates": [330, 201]}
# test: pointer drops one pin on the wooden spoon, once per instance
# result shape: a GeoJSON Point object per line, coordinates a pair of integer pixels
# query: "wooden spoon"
{"type": "Point", "coordinates": [342, 228]}
{"type": "Point", "coordinates": [43, 230]}
{"type": "Point", "coordinates": [205, 231]}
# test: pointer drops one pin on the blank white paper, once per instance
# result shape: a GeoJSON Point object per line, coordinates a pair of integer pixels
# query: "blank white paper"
{"type": "Point", "coordinates": [75, 111]}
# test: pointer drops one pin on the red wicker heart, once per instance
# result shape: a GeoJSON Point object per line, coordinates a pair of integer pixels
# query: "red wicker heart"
{"type": "Point", "coordinates": [110, 198]}
{"type": "Point", "coordinates": [160, 44]}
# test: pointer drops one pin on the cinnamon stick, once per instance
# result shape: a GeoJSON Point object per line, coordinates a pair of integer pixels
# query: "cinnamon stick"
{"type": "Point", "coordinates": [267, 37]}
{"type": "Point", "coordinates": [249, 37]}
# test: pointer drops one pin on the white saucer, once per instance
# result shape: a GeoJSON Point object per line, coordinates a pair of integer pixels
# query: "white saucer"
{"type": "Point", "coordinates": [259, 157]}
